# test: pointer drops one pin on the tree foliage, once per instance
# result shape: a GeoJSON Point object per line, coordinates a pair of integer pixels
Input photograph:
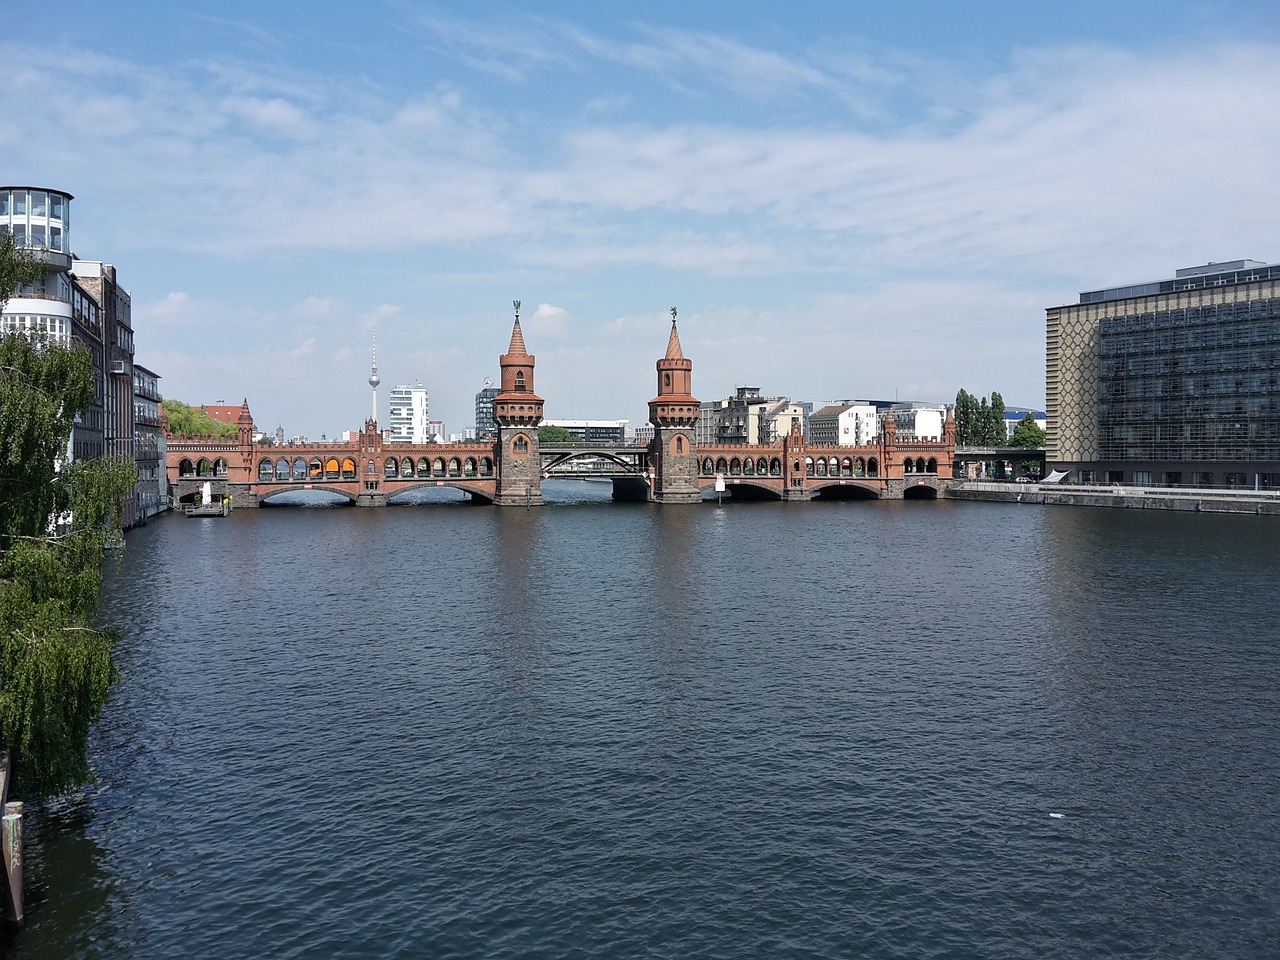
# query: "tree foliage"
{"type": "Point", "coordinates": [548, 433]}
{"type": "Point", "coordinates": [194, 421]}
{"type": "Point", "coordinates": [1027, 433]}
{"type": "Point", "coordinates": [18, 267]}
{"type": "Point", "coordinates": [56, 518]}
{"type": "Point", "coordinates": [979, 421]}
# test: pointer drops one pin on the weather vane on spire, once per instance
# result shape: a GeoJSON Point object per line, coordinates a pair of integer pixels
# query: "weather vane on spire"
{"type": "Point", "coordinates": [516, 304]}
{"type": "Point", "coordinates": [673, 316]}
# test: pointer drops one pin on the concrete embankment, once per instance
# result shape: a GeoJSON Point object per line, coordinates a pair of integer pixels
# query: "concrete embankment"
{"type": "Point", "coordinates": [1251, 502]}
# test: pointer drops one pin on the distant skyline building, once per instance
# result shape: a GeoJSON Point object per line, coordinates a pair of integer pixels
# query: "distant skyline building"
{"type": "Point", "coordinates": [1173, 382]}
{"type": "Point", "coordinates": [408, 414]}
{"type": "Point", "coordinates": [855, 423]}
{"type": "Point", "coordinates": [749, 417]}
{"type": "Point", "coordinates": [594, 431]}
{"type": "Point", "coordinates": [486, 426]}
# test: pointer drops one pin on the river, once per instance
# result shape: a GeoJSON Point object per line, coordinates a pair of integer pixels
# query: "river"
{"type": "Point", "coordinates": [924, 729]}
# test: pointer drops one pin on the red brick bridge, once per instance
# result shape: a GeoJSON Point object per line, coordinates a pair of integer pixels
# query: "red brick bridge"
{"type": "Point", "coordinates": [671, 468]}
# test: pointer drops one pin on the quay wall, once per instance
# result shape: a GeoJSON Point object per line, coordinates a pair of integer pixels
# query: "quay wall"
{"type": "Point", "coordinates": [1249, 502]}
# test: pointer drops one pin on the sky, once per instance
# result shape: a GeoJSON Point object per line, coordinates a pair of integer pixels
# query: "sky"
{"type": "Point", "coordinates": [842, 199]}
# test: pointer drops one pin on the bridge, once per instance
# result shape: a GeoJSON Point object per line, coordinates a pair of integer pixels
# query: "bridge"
{"type": "Point", "coordinates": [369, 470]}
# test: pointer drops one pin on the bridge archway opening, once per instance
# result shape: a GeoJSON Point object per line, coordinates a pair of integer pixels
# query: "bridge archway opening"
{"type": "Point", "coordinates": [431, 496]}
{"type": "Point", "coordinates": [847, 491]}
{"type": "Point", "coordinates": [304, 499]}
{"type": "Point", "coordinates": [919, 491]}
{"type": "Point", "coordinates": [743, 491]}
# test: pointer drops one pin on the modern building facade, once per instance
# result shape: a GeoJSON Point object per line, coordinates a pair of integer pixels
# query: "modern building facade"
{"type": "Point", "coordinates": [81, 302]}
{"type": "Point", "coordinates": [920, 420]}
{"type": "Point", "coordinates": [408, 414]}
{"type": "Point", "coordinates": [486, 426]}
{"type": "Point", "coordinates": [1172, 382]}
{"type": "Point", "coordinates": [594, 431]}
{"type": "Point", "coordinates": [749, 417]}
{"type": "Point", "coordinates": [847, 424]}
{"type": "Point", "coordinates": [151, 491]}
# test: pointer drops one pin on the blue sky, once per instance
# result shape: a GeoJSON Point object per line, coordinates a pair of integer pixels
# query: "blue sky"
{"type": "Point", "coordinates": [842, 199]}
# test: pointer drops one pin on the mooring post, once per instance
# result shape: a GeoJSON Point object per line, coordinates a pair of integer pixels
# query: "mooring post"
{"type": "Point", "coordinates": [11, 837]}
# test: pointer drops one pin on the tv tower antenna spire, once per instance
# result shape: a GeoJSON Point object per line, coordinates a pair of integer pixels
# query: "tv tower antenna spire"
{"type": "Point", "coordinates": [374, 379]}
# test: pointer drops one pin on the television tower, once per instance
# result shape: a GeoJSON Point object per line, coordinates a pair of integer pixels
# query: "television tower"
{"type": "Point", "coordinates": [374, 379]}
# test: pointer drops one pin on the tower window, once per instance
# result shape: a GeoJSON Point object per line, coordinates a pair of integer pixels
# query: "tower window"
{"type": "Point", "coordinates": [666, 379]}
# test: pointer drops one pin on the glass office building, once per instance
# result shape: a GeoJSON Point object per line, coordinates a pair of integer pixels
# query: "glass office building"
{"type": "Point", "coordinates": [1175, 382]}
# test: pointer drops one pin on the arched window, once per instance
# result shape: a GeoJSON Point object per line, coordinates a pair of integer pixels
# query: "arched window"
{"type": "Point", "coordinates": [406, 468]}
{"type": "Point", "coordinates": [371, 469]}
{"type": "Point", "coordinates": [931, 466]}
{"type": "Point", "coordinates": [220, 467]}
{"type": "Point", "coordinates": [808, 466]}
{"type": "Point", "coordinates": [722, 465]}
{"type": "Point", "coordinates": [775, 467]}
{"type": "Point", "coordinates": [521, 445]}
{"type": "Point", "coordinates": [264, 469]}
{"type": "Point", "coordinates": [204, 468]}
{"type": "Point", "coordinates": [437, 467]}
{"type": "Point", "coordinates": [873, 467]}
{"type": "Point", "coordinates": [315, 469]}
{"type": "Point", "coordinates": [424, 467]}
{"type": "Point", "coordinates": [391, 469]}
{"type": "Point", "coordinates": [919, 464]}
{"type": "Point", "coordinates": [735, 467]}
{"type": "Point", "coordinates": [762, 466]}
{"type": "Point", "coordinates": [332, 469]}
{"type": "Point", "coordinates": [348, 468]}
{"type": "Point", "coordinates": [469, 467]}
{"type": "Point", "coordinates": [749, 467]}
{"type": "Point", "coordinates": [455, 468]}
{"type": "Point", "coordinates": [282, 469]}
{"type": "Point", "coordinates": [185, 468]}
{"type": "Point", "coordinates": [679, 443]}
{"type": "Point", "coordinates": [846, 467]}
{"type": "Point", "coordinates": [908, 465]}
{"type": "Point", "coordinates": [519, 381]}
{"type": "Point", "coordinates": [666, 380]}
{"type": "Point", "coordinates": [859, 468]}
{"type": "Point", "coordinates": [299, 469]}
{"type": "Point", "coordinates": [708, 467]}
{"type": "Point", "coordinates": [486, 467]}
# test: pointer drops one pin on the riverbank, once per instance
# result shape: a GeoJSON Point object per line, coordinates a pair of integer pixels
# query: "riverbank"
{"type": "Point", "coordinates": [1190, 499]}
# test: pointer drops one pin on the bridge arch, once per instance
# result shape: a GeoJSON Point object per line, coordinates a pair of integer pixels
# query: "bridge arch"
{"type": "Point", "coordinates": [476, 492]}
{"type": "Point", "coordinates": [843, 490]}
{"type": "Point", "coordinates": [270, 493]}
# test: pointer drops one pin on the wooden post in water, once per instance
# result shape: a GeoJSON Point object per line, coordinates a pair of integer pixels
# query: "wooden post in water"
{"type": "Point", "coordinates": [11, 838]}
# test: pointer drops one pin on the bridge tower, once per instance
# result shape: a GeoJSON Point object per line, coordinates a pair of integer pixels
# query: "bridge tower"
{"type": "Point", "coordinates": [673, 454]}
{"type": "Point", "coordinates": [517, 411]}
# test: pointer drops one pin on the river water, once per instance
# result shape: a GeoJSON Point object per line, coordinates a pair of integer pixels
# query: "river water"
{"type": "Point", "coordinates": [622, 730]}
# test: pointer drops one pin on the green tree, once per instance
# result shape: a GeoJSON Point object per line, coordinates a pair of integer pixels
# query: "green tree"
{"type": "Point", "coordinates": [548, 433]}
{"type": "Point", "coordinates": [194, 421]}
{"type": "Point", "coordinates": [994, 434]}
{"type": "Point", "coordinates": [1027, 433]}
{"type": "Point", "coordinates": [56, 518]}
{"type": "Point", "coordinates": [979, 421]}
{"type": "Point", "coordinates": [18, 267]}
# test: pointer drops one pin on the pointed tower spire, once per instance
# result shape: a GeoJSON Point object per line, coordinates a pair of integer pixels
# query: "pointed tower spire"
{"type": "Point", "coordinates": [673, 342]}
{"type": "Point", "coordinates": [517, 348]}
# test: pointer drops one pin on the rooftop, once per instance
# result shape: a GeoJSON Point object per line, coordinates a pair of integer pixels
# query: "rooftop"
{"type": "Point", "coordinates": [1190, 278]}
